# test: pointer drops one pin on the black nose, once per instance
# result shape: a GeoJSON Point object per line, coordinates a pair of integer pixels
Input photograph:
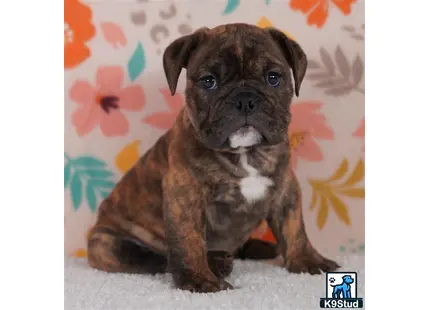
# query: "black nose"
{"type": "Point", "coordinates": [246, 102]}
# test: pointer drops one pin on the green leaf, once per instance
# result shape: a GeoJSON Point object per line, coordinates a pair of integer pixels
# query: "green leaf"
{"type": "Point", "coordinates": [67, 172]}
{"type": "Point", "coordinates": [106, 184]}
{"type": "Point", "coordinates": [88, 161]}
{"type": "Point", "coordinates": [104, 194]}
{"type": "Point", "coordinates": [136, 64]}
{"type": "Point", "coordinates": [342, 248]}
{"type": "Point", "coordinates": [231, 6]}
{"type": "Point", "coordinates": [91, 173]}
{"type": "Point", "coordinates": [76, 191]}
{"type": "Point", "coordinates": [96, 174]}
{"type": "Point", "coordinates": [91, 198]}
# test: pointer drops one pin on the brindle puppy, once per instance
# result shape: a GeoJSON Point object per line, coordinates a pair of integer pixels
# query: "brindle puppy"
{"type": "Point", "coordinates": [196, 196]}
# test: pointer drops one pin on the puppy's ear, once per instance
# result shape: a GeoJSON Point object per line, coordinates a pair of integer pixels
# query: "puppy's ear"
{"type": "Point", "coordinates": [294, 54]}
{"type": "Point", "coordinates": [177, 54]}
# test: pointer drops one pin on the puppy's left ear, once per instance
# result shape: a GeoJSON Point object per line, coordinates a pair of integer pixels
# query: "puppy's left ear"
{"type": "Point", "coordinates": [177, 54]}
{"type": "Point", "coordinates": [294, 55]}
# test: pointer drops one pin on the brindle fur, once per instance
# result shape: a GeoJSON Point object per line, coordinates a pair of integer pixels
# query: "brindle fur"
{"type": "Point", "coordinates": [180, 208]}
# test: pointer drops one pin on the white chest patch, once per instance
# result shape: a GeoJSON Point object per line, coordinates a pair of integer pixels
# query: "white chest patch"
{"type": "Point", "coordinates": [254, 186]}
{"type": "Point", "coordinates": [244, 137]}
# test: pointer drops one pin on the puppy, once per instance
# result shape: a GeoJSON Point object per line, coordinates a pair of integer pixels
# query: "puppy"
{"type": "Point", "coordinates": [196, 196]}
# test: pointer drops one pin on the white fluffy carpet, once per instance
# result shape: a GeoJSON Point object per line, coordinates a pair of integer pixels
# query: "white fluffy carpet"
{"type": "Point", "coordinates": [257, 286]}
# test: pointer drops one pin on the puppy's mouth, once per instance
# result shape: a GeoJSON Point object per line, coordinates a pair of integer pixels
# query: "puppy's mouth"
{"type": "Point", "coordinates": [246, 136]}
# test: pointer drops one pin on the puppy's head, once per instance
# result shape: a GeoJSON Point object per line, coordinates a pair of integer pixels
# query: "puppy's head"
{"type": "Point", "coordinates": [239, 83]}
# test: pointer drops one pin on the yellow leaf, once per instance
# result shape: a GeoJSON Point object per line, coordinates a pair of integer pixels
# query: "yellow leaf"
{"type": "Point", "coordinates": [340, 172]}
{"type": "Point", "coordinates": [266, 23]}
{"type": "Point", "coordinates": [314, 200]}
{"type": "Point", "coordinates": [356, 176]}
{"type": "Point", "coordinates": [340, 209]}
{"type": "Point", "coordinates": [288, 35]}
{"type": "Point", "coordinates": [318, 185]}
{"type": "Point", "coordinates": [353, 192]}
{"type": "Point", "coordinates": [128, 156]}
{"type": "Point", "coordinates": [322, 213]}
{"type": "Point", "coordinates": [81, 253]}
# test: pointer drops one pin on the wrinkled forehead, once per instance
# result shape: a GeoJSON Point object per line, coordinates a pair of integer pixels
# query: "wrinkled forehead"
{"type": "Point", "coordinates": [236, 49]}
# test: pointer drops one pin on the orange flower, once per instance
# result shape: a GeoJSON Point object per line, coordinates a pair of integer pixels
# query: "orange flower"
{"type": "Point", "coordinates": [317, 10]}
{"type": "Point", "coordinates": [359, 132]}
{"type": "Point", "coordinates": [78, 29]}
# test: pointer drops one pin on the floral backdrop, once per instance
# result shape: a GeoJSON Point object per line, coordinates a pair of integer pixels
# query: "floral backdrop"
{"type": "Point", "coordinates": [117, 103]}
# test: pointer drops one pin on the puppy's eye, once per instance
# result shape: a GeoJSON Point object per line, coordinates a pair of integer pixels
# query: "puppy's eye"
{"type": "Point", "coordinates": [209, 82]}
{"type": "Point", "coordinates": [273, 78]}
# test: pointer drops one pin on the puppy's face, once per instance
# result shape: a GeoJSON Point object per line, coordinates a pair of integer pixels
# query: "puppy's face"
{"type": "Point", "coordinates": [239, 85]}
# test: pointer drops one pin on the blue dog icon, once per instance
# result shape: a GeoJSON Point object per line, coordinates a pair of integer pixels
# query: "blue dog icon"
{"type": "Point", "coordinates": [344, 288]}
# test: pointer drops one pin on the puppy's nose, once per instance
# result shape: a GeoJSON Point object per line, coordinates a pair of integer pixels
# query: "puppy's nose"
{"type": "Point", "coordinates": [246, 102]}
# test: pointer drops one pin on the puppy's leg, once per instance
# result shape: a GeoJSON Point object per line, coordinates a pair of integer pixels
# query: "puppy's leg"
{"type": "Point", "coordinates": [289, 230]}
{"type": "Point", "coordinates": [221, 263]}
{"type": "Point", "coordinates": [111, 251]}
{"type": "Point", "coordinates": [185, 234]}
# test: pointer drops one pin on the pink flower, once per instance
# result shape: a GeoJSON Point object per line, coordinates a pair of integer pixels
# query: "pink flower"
{"type": "Point", "coordinates": [359, 132]}
{"type": "Point", "coordinates": [165, 120]}
{"type": "Point", "coordinates": [113, 34]}
{"type": "Point", "coordinates": [307, 126]}
{"type": "Point", "coordinates": [102, 104]}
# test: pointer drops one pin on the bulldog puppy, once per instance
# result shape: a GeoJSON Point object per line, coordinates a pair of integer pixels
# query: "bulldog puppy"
{"type": "Point", "coordinates": [196, 196]}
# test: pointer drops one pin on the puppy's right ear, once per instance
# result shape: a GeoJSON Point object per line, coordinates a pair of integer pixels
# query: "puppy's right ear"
{"type": "Point", "coordinates": [178, 53]}
{"type": "Point", "coordinates": [294, 55]}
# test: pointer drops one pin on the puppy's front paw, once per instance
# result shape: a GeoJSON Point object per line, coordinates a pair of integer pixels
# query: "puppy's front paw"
{"type": "Point", "coordinates": [221, 263]}
{"type": "Point", "coordinates": [313, 264]}
{"type": "Point", "coordinates": [201, 285]}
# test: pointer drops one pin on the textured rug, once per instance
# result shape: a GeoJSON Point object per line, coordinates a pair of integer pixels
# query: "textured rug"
{"type": "Point", "coordinates": [257, 286]}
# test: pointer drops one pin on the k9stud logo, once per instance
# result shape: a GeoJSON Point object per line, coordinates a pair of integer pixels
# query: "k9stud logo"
{"type": "Point", "coordinates": [341, 291]}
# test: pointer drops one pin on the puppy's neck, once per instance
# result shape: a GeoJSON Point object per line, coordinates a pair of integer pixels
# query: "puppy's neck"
{"type": "Point", "coordinates": [186, 123]}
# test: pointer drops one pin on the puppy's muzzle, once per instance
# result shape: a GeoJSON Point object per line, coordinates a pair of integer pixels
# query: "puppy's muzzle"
{"type": "Point", "coordinates": [246, 102]}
